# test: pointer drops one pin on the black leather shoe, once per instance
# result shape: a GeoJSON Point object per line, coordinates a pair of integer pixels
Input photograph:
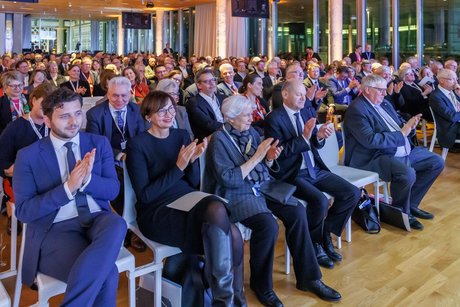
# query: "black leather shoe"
{"type": "Point", "coordinates": [322, 258]}
{"type": "Point", "coordinates": [421, 214]}
{"type": "Point", "coordinates": [268, 298]}
{"type": "Point", "coordinates": [329, 248]}
{"type": "Point", "coordinates": [414, 224]}
{"type": "Point", "coordinates": [322, 290]}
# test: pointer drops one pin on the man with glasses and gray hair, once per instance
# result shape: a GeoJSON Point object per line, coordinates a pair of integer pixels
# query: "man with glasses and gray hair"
{"type": "Point", "coordinates": [204, 109]}
{"type": "Point", "coordinates": [119, 119]}
{"type": "Point", "coordinates": [379, 140]}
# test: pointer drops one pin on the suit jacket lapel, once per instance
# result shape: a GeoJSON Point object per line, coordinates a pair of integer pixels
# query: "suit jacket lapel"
{"type": "Point", "coordinates": [374, 112]}
{"type": "Point", "coordinates": [130, 120]}
{"type": "Point", "coordinates": [48, 155]}
{"type": "Point", "coordinates": [107, 121]}
{"type": "Point", "coordinates": [85, 145]}
{"type": "Point", "coordinates": [287, 122]}
{"type": "Point", "coordinates": [386, 106]}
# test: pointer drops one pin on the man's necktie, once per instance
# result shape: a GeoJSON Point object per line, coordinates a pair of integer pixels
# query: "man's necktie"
{"type": "Point", "coordinates": [120, 121]}
{"type": "Point", "coordinates": [455, 102]}
{"type": "Point", "coordinates": [392, 123]}
{"type": "Point", "coordinates": [84, 215]}
{"type": "Point", "coordinates": [234, 90]}
{"type": "Point", "coordinates": [306, 156]}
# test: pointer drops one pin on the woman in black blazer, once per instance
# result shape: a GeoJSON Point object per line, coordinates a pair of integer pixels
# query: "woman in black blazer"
{"type": "Point", "coordinates": [415, 96]}
{"type": "Point", "coordinates": [13, 104]}
{"type": "Point", "coordinates": [76, 85]}
{"type": "Point", "coordinates": [162, 164]}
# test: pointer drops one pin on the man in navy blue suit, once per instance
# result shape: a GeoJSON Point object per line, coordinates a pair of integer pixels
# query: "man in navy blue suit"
{"type": "Point", "coordinates": [445, 102]}
{"type": "Point", "coordinates": [294, 125]}
{"type": "Point", "coordinates": [119, 119]}
{"type": "Point", "coordinates": [342, 89]}
{"type": "Point", "coordinates": [63, 184]}
{"type": "Point", "coordinates": [378, 140]}
{"type": "Point", "coordinates": [204, 109]}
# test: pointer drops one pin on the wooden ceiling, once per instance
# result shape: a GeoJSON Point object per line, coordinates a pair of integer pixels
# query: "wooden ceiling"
{"type": "Point", "coordinates": [91, 9]}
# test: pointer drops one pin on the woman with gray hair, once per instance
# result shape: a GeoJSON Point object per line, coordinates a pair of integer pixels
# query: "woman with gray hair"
{"type": "Point", "coordinates": [13, 104]}
{"type": "Point", "coordinates": [237, 163]}
{"type": "Point", "coordinates": [415, 96]}
{"type": "Point", "coordinates": [181, 119]}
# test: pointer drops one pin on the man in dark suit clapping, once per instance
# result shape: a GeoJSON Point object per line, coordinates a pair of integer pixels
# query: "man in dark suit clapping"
{"type": "Point", "coordinates": [379, 141]}
{"type": "Point", "coordinates": [294, 125]}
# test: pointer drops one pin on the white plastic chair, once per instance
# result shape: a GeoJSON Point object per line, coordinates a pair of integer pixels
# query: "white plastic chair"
{"type": "Point", "coordinates": [49, 286]}
{"type": "Point", "coordinates": [160, 251]}
{"type": "Point", "coordinates": [433, 139]}
{"type": "Point", "coordinates": [13, 252]}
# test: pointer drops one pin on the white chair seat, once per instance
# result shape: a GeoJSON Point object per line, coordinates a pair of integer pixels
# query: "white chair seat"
{"type": "Point", "coordinates": [49, 286]}
{"type": "Point", "coordinates": [5, 300]}
{"type": "Point", "coordinates": [357, 177]}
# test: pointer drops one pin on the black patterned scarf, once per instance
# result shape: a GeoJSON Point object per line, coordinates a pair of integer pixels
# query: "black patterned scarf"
{"type": "Point", "coordinates": [245, 143]}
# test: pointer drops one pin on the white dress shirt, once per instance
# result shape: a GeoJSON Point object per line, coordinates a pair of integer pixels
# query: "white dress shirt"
{"type": "Point", "coordinates": [293, 119]}
{"type": "Point", "coordinates": [69, 210]}
{"type": "Point", "coordinates": [214, 105]}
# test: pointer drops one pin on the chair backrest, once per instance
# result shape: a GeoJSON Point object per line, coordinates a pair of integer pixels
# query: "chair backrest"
{"type": "Point", "coordinates": [433, 139]}
{"type": "Point", "coordinates": [202, 161]}
{"type": "Point", "coordinates": [330, 151]}
{"type": "Point", "coordinates": [129, 210]}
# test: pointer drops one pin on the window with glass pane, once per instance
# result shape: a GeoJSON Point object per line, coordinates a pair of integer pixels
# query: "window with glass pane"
{"type": "Point", "coordinates": [407, 29]}
{"type": "Point", "coordinates": [378, 30]}
{"type": "Point", "coordinates": [295, 27]}
{"type": "Point", "coordinates": [440, 29]}
{"type": "Point", "coordinates": [349, 26]}
{"type": "Point", "coordinates": [323, 30]}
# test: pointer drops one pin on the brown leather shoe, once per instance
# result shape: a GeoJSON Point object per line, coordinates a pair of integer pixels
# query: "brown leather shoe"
{"type": "Point", "coordinates": [136, 243]}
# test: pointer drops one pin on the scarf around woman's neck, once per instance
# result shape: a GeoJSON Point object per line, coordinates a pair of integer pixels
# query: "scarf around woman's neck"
{"type": "Point", "coordinates": [245, 143]}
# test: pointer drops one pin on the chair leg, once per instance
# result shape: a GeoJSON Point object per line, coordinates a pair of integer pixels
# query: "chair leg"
{"type": "Point", "coordinates": [444, 153]}
{"type": "Point", "coordinates": [287, 260]}
{"type": "Point", "coordinates": [386, 195]}
{"type": "Point", "coordinates": [157, 288]}
{"type": "Point", "coordinates": [339, 242]}
{"type": "Point", "coordinates": [377, 196]}
{"type": "Point", "coordinates": [424, 133]}
{"type": "Point", "coordinates": [348, 228]}
{"type": "Point", "coordinates": [131, 288]}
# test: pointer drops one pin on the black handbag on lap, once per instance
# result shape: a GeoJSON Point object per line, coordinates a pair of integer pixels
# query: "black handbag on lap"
{"type": "Point", "coordinates": [279, 191]}
{"type": "Point", "coordinates": [366, 214]}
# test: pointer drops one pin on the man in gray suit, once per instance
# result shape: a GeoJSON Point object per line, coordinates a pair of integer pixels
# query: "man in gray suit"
{"type": "Point", "coordinates": [228, 87]}
{"type": "Point", "coordinates": [378, 140]}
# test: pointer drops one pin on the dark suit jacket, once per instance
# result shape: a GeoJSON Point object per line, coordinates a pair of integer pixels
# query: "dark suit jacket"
{"type": "Point", "coordinates": [279, 126]}
{"type": "Point", "coordinates": [99, 120]}
{"type": "Point", "coordinates": [369, 143]}
{"type": "Point", "coordinates": [314, 56]}
{"type": "Point", "coordinates": [224, 90]}
{"type": "Point", "coordinates": [82, 83]}
{"type": "Point", "coordinates": [353, 58]}
{"type": "Point", "coordinates": [238, 78]}
{"type": "Point", "coordinates": [202, 117]}
{"type": "Point", "coordinates": [39, 197]}
{"type": "Point", "coordinates": [447, 119]}
{"type": "Point", "coordinates": [326, 100]}
{"type": "Point", "coordinates": [367, 55]}
{"type": "Point", "coordinates": [62, 70]}
{"type": "Point", "coordinates": [267, 86]}
{"type": "Point", "coordinates": [414, 102]}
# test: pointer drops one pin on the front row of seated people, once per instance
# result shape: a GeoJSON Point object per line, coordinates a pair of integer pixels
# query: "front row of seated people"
{"type": "Point", "coordinates": [71, 205]}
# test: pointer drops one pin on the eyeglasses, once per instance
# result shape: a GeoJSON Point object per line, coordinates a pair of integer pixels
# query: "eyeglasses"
{"type": "Point", "coordinates": [171, 110]}
{"type": "Point", "coordinates": [381, 90]}
{"type": "Point", "coordinates": [212, 80]}
{"type": "Point", "coordinates": [16, 86]}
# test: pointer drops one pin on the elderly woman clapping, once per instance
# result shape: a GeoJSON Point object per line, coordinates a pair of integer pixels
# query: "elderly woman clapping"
{"type": "Point", "coordinates": [237, 164]}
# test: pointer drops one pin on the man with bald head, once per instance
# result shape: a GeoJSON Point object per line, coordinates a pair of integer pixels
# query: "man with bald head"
{"type": "Point", "coordinates": [378, 140]}
{"type": "Point", "coordinates": [294, 125]}
{"type": "Point", "coordinates": [445, 102]}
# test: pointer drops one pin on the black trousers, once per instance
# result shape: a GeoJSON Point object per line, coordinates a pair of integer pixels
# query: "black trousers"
{"type": "Point", "coordinates": [263, 239]}
{"type": "Point", "coordinates": [320, 216]}
{"type": "Point", "coordinates": [119, 202]}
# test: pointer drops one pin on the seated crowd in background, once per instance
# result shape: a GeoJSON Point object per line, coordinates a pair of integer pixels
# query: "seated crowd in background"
{"type": "Point", "coordinates": [253, 120]}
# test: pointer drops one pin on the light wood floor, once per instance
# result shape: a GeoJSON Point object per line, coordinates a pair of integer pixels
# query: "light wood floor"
{"type": "Point", "coordinates": [393, 268]}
